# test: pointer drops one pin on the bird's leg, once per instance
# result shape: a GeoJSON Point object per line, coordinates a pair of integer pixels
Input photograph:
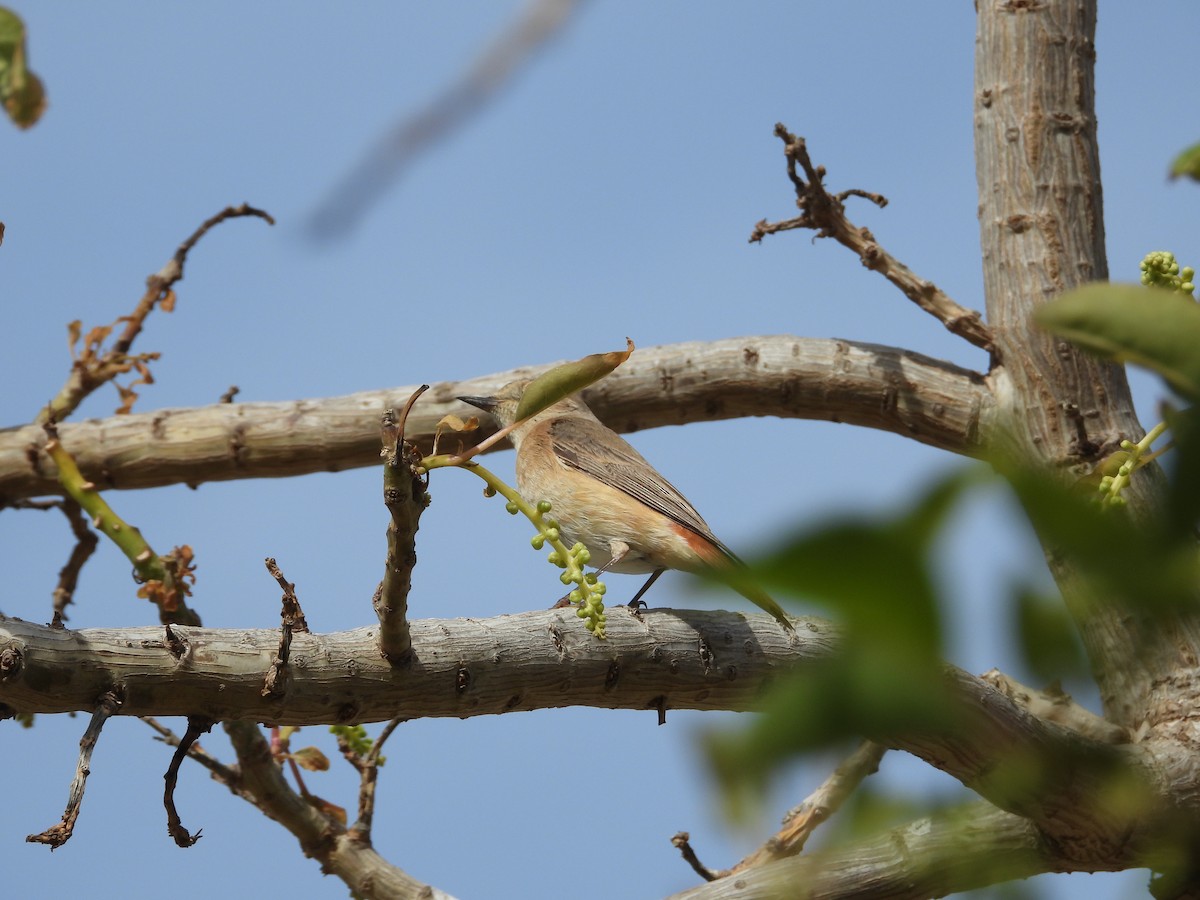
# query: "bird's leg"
{"type": "Point", "coordinates": [637, 602]}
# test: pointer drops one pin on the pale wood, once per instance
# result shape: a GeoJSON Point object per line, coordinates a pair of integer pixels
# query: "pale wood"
{"type": "Point", "coordinates": [661, 658]}
{"type": "Point", "coordinates": [1042, 232]}
{"type": "Point", "coordinates": [932, 401]}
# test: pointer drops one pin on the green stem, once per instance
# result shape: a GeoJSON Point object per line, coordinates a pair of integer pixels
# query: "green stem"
{"type": "Point", "coordinates": [591, 603]}
{"type": "Point", "coordinates": [1136, 461]}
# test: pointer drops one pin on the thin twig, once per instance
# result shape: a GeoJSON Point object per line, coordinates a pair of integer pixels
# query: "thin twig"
{"type": "Point", "coordinates": [415, 134]}
{"type": "Point", "coordinates": [93, 368]}
{"type": "Point", "coordinates": [85, 545]}
{"type": "Point", "coordinates": [404, 495]}
{"type": "Point", "coordinates": [368, 770]}
{"type": "Point", "coordinates": [292, 621]}
{"type": "Point", "coordinates": [196, 727]}
{"type": "Point", "coordinates": [825, 213]}
{"type": "Point", "coordinates": [59, 834]}
{"type": "Point", "coordinates": [227, 775]}
{"type": "Point", "coordinates": [682, 843]}
{"type": "Point", "coordinates": [86, 542]}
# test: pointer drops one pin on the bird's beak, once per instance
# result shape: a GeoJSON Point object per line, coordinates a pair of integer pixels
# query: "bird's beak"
{"type": "Point", "coordinates": [487, 404]}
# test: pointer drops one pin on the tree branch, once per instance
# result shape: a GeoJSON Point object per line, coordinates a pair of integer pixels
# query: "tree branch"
{"type": "Point", "coordinates": [971, 847]}
{"type": "Point", "coordinates": [931, 401]}
{"type": "Point", "coordinates": [1042, 232]}
{"type": "Point", "coordinates": [340, 853]}
{"type": "Point", "coordinates": [405, 497]}
{"type": "Point", "coordinates": [459, 667]}
{"type": "Point", "coordinates": [505, 57]}
{"type": "Point", "coordinates": [825, 214]}
{"type": "Point", "coordinates": [57, 835]}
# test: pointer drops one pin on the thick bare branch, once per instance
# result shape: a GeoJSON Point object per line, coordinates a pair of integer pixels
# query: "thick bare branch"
{"type": "Point", "coordinates": [1042, 232]}
{"type": "Point", "coordinates": [677, 659]}
{"type": "Point", "coordinates": [931, 401]}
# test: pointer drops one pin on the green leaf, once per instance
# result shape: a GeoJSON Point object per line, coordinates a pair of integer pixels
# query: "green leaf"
{"type": "Point", "coordinates": [21, 92]}
{"type": "Point", "coordinates": [1187, 164]}
{"type": "Point", "coordinates": [1047, 636]}
{"type": "Point", "coordinates": [562, 381]}
{"type": "Point", "coordinates": [1154, 328]}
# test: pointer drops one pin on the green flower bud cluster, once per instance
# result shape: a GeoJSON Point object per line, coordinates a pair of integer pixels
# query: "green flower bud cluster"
{"type": "Point", "coordinates": [356, 738]}
{"type": "Point", "coordinates": [1111, 485]}
{"type": "Point", "coordinates": [588, 595]}
{"type": "Point", "coordinates": [1159, 269]}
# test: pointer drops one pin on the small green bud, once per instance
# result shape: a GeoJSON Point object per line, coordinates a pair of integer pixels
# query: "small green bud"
{"type": "Point", "coordinates": [544, 506]}
{"type": "Point", "coordinates": [591, 577]}
{"type": "Point", "coordinates": [599, 588]}
{"type": "Point", "coordinates": [565, 578]}
{"type": "Point", "coordinates": [584, 555]}
{"type": "Point", "coordinates": [550, 523]}
{"type": "Point", "coordinates": [551, 534]}
{"type": "Point", "coordinates": [538, 540]}
{"type": "Point", "coordinates": [512, 508]}
{"type": "Point", "coordinates": [575, 596]}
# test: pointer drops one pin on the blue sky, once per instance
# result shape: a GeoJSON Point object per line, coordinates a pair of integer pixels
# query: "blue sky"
{"type": "Point", "coordinates": [609, 191]}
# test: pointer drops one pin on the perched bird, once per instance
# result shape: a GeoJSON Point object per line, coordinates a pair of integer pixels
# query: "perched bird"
{"type": "Point", "coordinates": [605, 495]}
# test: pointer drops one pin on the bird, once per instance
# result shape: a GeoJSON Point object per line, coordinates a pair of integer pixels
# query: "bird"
{"type": "Point", "coordinates": [605, 495]}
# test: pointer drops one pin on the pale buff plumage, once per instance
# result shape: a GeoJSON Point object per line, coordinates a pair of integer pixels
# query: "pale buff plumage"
{"type": "Point", "coordinates": [605, 495]}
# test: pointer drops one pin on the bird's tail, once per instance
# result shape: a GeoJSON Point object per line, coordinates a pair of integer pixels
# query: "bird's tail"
{"type": "Point", "coordinates": [763, 600]}
{"type": "Point", "coordinates": [720, 558]}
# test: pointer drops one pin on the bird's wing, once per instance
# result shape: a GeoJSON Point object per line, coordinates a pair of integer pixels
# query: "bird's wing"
{"type": "Point", "coordinates": [574, 441]}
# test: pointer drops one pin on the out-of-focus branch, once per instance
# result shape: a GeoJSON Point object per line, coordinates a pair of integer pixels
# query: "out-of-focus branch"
{"type": "Point", "coordinates": [802, 820]}
{"type": "Point", "coordinates": [971, 847]}
{"type": "Point", "coordinates": [414, 135]}
{"type": "Point", "coordinates": [850, 382]}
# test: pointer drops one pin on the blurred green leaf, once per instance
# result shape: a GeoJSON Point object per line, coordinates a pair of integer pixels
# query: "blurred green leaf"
{"type": "Point", "coordinates": [1047, 636]}
{"type": "Point", "coordinates": [1183, 500]}
{"type": "Point", "coordinates": [21, 92]}
{"type": "Point", "coordinates": [1143, 565]}
{"type": "Point", "coordinates": [1187, 164]}
{"type": "Point", "coordinates": [1150, 327]}
{"type": "Point", "coordinates": [875, 575]}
